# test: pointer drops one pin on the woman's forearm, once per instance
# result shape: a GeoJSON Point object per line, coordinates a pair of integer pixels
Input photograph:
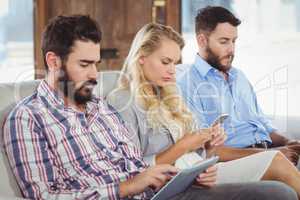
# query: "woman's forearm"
{"type": "Point", "coordinates": [189, 142]}
{"type": "Point", "coordinates": [170, 155]}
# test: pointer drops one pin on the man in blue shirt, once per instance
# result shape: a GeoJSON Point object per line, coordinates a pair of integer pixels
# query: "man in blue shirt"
{"type": "Point", "coordinates": [211, 86]}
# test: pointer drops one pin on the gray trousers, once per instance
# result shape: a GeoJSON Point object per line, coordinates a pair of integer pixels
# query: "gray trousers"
{"type": "Point", "coordinates": [264, 190]}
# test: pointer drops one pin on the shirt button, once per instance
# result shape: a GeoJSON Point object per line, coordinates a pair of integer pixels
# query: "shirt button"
{"type": "Point", "coordinates": [53, 187]}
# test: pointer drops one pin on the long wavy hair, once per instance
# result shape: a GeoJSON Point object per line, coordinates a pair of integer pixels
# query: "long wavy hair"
{"type": "Point", "coordinates": [164, 107]}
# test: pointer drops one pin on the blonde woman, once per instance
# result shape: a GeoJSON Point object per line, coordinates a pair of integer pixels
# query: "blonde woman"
{"type": "Point", "coordinates": [164, 128]}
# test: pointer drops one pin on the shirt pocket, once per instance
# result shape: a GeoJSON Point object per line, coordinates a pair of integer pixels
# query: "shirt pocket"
{"type": "Point", "coordinates": [208, 96]}
{"type": "Point", "coordinates": [211, 105]}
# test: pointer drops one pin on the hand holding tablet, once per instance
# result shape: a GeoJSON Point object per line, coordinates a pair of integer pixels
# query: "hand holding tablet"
{"type": "Point", "coordinates": [183, 179]}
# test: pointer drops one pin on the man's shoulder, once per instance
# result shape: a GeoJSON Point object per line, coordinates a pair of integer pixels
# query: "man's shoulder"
{"type": "Point", "coordinates": [188, 75]}
{"type": "Point", "coordinates": [182, 68]}
{"type": "Point", "coordinates": [240, 74]}
{"type": "Point", "coordinates": [22, 113]}
{"type": "Point", "coordinates": [26, 105]}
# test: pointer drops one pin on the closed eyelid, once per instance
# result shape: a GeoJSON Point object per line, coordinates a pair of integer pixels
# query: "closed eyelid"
{"type": "Point", "coordinates": [223, 40]}
{"type": "Point", "coordinates": [166, 61]}
{"type": "Point", "coordinates": [84, 63]}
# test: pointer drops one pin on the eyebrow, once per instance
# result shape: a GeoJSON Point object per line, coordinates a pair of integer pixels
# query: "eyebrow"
{"type": "Point", "coordinates": [170, 60]}
{"type": "Point", "coordinates": [90, 61]}
{"type": "Point", "coordinates": [225, 38]}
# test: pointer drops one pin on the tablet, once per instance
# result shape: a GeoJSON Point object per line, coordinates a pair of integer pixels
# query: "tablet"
{"type": "Point", "coordinates": [183, 179]}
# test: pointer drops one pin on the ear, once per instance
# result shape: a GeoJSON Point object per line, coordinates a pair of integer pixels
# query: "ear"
{"type": "Point", "coordinates": [53, 61]}
{"type": "Point", "coordinates": [201, 40]}
{"type": "Point", "coordinates": [142, 60]}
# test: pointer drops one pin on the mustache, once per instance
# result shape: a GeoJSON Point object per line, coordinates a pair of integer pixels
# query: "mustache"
{"type": "Point", "coordinates": [231, 56]}
{"type": "Point", "coordinates": [89, 82]}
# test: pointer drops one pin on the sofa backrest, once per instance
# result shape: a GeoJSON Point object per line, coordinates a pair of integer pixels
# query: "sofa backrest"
{"type": "Point", "coordinates": [11, 94]}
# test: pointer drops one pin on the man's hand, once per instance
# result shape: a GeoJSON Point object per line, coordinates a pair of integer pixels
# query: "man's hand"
{"type": "Point", "coordinates": [208, 178]}
{"type": "Point", "coordinates": [294, 145]}
{"type": "Point", "coordinates": [290, 148]}
{"type": "Point", "coordinates": [154, 177]}
{"type": "Point", "coordinates": [290, 153]}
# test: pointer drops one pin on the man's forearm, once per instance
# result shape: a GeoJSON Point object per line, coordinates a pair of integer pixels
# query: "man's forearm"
{"type": "Point", "coordinates": [125, 188]}
{"type": "Point", "coordinates": [278, 139]}
{"type": "Point", "coordinates": [230, 153]}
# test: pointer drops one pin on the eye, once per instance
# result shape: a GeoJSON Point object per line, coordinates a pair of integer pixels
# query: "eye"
{"type": "Point", "coordinates": [84, 65]}
{"type": "Point", "coordinates": [165, 62]}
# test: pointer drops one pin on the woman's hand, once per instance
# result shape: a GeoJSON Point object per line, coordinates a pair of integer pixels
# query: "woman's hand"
{"type": "Point", "coordinates": [219, 135]}
{"type": "Point", "coordinates": [218, 138]}
{"type": "Point", "coordinates": [208, 178]}
{"type": "Point", "coordinates": [207, 138]}
{"type": "Point", "coordinates": [194, 141]}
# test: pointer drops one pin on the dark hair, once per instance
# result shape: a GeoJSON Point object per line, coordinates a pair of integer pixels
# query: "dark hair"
{"type": "Point", "coordinates": [62, 31]}
{"type": "Point", "coordinates": [209, 17]}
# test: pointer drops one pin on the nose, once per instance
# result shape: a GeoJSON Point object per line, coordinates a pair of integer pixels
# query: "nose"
{"type": "Point", "coordinates": [231, 48]}
{"type": "Point", "coordinates": [172, 69]}
{"type": "Point", "coordinates": [93, 72]}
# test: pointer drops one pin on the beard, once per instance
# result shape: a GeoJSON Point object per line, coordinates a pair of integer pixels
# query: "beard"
{"type": "Point", "coordinates": [215, 60]}
{"type": "Point", "coordinates": [80, 95]}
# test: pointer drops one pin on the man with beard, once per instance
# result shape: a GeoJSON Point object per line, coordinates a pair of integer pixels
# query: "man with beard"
{"type": "Point", "coordinates": [64, 143]}
{"type": "Point", "coordinates": [211, 86]}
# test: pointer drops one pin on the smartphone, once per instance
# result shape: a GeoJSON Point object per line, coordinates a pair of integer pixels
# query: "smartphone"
{"type": "Point", "coordinates": [220, 119]}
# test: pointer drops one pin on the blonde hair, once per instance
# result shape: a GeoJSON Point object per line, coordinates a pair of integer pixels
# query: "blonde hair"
{"type": "Point", "coordinates": [164, 108]}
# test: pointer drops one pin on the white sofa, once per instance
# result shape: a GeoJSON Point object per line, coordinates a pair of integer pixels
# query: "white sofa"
{"type": "Point", "coordinates": [11, 93]}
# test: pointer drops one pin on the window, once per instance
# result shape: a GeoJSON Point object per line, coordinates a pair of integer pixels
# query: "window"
{"type": "Point", "coordinates": [16, 40]}
{"type": "Point", "coordinates": [267, 49]}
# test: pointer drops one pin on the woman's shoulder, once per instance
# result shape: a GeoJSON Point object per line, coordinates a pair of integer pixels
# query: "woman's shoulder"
{"type": "Point", "coordinates": [119, 93]}
{"type": "Point", "coordinates": [120, 98]}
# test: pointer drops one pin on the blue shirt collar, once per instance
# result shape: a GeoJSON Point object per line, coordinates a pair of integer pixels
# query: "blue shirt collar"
{"type": "Point", "coordinates": [204, 68]}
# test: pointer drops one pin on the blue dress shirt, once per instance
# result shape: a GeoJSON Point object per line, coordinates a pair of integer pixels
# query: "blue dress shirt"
{"type": "Point", "coordinates": [208, 95]}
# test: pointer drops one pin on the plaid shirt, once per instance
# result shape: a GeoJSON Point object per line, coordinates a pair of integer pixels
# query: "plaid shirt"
{"type": "Point", "coordinates": [57, 152]}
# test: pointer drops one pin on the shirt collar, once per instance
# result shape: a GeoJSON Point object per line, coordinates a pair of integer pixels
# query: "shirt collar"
{"type": "Point", "coordinates": [232, 74]}
{"type": "Point", "coordinates": [52, 96]}
{"type": "Point", "coordinates": [204, 68]}
{"type": "Point", "coordinates": [54, 99]}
